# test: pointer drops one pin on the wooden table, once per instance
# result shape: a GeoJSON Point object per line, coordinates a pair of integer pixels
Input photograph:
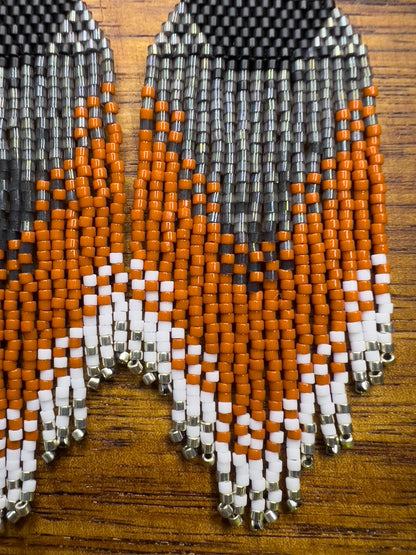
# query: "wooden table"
{"type": "Point", "coordinates": [126, 490]}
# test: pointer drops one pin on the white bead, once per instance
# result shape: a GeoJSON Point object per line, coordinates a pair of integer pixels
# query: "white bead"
{"type": "Point", "coordinates": [207, 397]}
{"type": "Point", "coordinates": [258, 505]}
{"type": "Point", "coordinates": [178, 333]}
{"type": "Point", "coordinates": [33, 405]}
{"type": "Point", "coordinates": [328, 429]}
{"type": "Point", "coordinates": [291, 423]}
{"type": "Point", "coordinates": [208, 357]}
{"type": "Point", "coordinates": [136, 264]}
{"type": "Point", "coordinates": [292, 484]}
{"type": "Point", "coordinates": [29, 485]}
{"type": "Point", "coordinates": [178, 415]}
{"type": "Point", "coordinates": [340, 357]}
{"type": "Point", "coordinates": [243, 419]}
{"type": "Point", "coordinates": [121, 277]}
{"type": "Point", "coordinates": [62, 342]}
{"type": "Point", "coordinates": [224, 408]}
{"type": "Point", "coordinates": [13, 495]}
{"type": "Point", "coordinates": [378, 259]}
{"type": "Point", "coordinates": [276, 437]}
{"type": "Point", "coordinates": [194, 350]}
{"type": "Point", "coordinates": [151, 318]}
{"type": "Point", "coordinates": [104, 290]}
{"type": "Point", "coordinates": [307, 439]}
{"type": "Point", "coordinates": [151, 275]}
{"type": "Point", "coordinates": [364, 275]}
{"type": "Point", "coordinates": [192, 431]}
{"type": "Point", "coordinates": [90, 280]}
{"type": "Point", "coordinates": [256, 444]}
{"type": "Point", "coordinates": [322, 391]}
{"type": "Point", "coordinates": [48, 435]}
{"type": "Point", "coordinates": [351, 306]}
{"type": "Point", "coordinates": [137, 284]}
{"type": "Point", "coordinates": [225, 487]}
{"type": "Point", "coordinates": [116, 257]}
{"type": "Point", "coordinates": [239, 460]}
{"type": "Point", "coordinates": [303, 359]}
{"type": "Point", "coordinates": [320, 369]}
{"type": "Point", "coordinates": [255, 424]}
{"type": "Point", "coordinates": [307, 408]}
{"type": "Point", "coordinates": [104, 270]}
{"type": "Point", "coordinates": [372, 356]}
{"type": "Point", "coordinates": [241, 500]}
{"type": "Point", "coordinates": [276, 416]}
{"type": "Point", "coordinates": [382, 278]}
{"type": "Point", "coordinates": [275, 496]}
{"type": "Point", "coordinates": [167, 286]}
{"type": "Point", "coordinates": [207, 437]}
{"type": "Point", "coordinates": [344, 419]}
{"type": "Point", "coordinates": [324, 349]}
{"type": "Point", "coordinates": [365, 296]}
{"type": "Point", "coordinates": [213, 376]}
{"type": "Point", "coordinates": [13, 414]}
{"type": "Point", "coordinates": [336, 336]}
{"type": "Point", "coordinates": [290, 404]}
{"type": "Point", "coordinates": [354, 327]}
{"type": "Point", "coordinates": [152, 296]}
{"type": "Point", "coordinates": [244, 439]}
{"type": "Point", "coordinates": [76, 333]}
{"type": "Point", "coordinates": [60, 362]}
{"type": "Point", "coordinates": [327, 408]}
{"type": "Point", "coordinates": [349, 285]}
{"type": "Point", "coordinates": [165, 306]}
{"type": "Point", "coordinates": [358, 365]}
{"type": "Point", "coordinates": [294, 464]}
{"type": "Point", "coordinates": [308, 378]}
{"type": "Point", "coordinates": [341, 377]}
{"type": "Point", "coordinates": [44, 354]}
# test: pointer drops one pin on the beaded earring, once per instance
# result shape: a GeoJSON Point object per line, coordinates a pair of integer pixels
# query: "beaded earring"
{"type": "Point", "coordinates": [259, 274]}
{"type": "Point", "coordinates": [61, 237]}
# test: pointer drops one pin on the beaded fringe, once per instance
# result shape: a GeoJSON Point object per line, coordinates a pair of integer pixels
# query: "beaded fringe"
{"type": "Point", "coordinates": [61, 238]}
{"type": "Point", "coordinates": [259, 278]}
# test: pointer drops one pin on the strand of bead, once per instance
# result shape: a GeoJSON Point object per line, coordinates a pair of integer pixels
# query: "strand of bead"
{"type": "Point", "coordinates": [378, 214]}
{"type": "Point", "coordinates": [169, 378]}
{"type": "Point", "coordinates": [110, 219]}
{"type": "Point", "coordinates": [25, 376]}
{"type": "Point", "coordinates": [211, 318]}
{"type": "Point", "coordinates": [339, 373]}
{"type": "Point", "coordinates": [345, 234]}
{"type": "Point", "coordinates": [3, 280]}
{"type": "Point", "coordinates": [232, 290]}
{"type": "Point", "coordinates": [155, 199]}
{"type": "Point", "coordinates": [107, 340]}
{"type": "Point", "coordinates": [137, 246]}
{"type": "Point", "coordinates": [274, 384]}
{"type": "Point", "coordinates": [256, 303]}
{"type": "Point", "coordinates": [13, 317]}
{"type": "Point", "coordinates": [233, 308]}
{"type": "Point", "coordinates": [183, 384]}
{"type": "Point", "coordinates": [288, 295]}
{"type": "Point", "coordinates": [197, 259]}
{"type": "Point", "coordinates": [302, 280]}
{"type": "Point", "coordinates": [43, 256]}
{"type": "Point", "coordinates": [364, 295]}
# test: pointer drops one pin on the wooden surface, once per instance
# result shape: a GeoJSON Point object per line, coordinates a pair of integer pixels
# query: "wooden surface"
{"type": "Point", "coordinates": [126, 489]}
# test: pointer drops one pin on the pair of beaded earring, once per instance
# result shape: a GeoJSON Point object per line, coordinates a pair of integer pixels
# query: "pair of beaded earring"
{"type": "Point", "coordinates": [258, 277]}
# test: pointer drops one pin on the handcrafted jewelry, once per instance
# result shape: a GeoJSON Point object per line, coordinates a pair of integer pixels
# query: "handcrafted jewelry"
{"type": "Point", "coordinates": [259, 274]}
{"type": "Point", "coordinates": [61, 237]}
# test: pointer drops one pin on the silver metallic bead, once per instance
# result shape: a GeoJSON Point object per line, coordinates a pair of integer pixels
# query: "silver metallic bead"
{"type": "Point", "coordinates": [387, 347]}
{"type": "Point", "coordinates": [121, 347]}
{"type": "Point", "coordinates": [256, 520]}
{"type": "Point", "coordinates": [240, 490]}
{"type": "Point", "coordinates": [189, 452]}
{"type": "Point", "coordinates": [193, 442]}
{"type": "Point", "coordinates": [136, 355]}
{"type": "Point", "coordinates": [108, 362]}
{"type": "Point", "coordinates": [64, 411]}
{"type": "Point", "coordinates": [149, 378]}
{"type": "Point", "coordinates": [105, 340]}
{"type": "Point", "coordinates": [78, 434]}
{"type": "Point", "coordinates": [93, 371]}
{"type": "Point", "coordinates": [347, 441]}
{"type": "Point", "coordinates": [93, 383]}
{"type": "Point", "coordinates": [235, 520]}
{"type": "Point", "coordinates": [270, 516]}
{"type": "Point", "coordinates": [78, 403]}
{"type": "Point", "coordinates": [135, 367]}
{"type": "Point", "coordinates": [208, 458]}
{"type": "Point", "coordinates": [362, 387]}
{"type": "Point", "coordinates": [163, 356]}
{"type": "Point", "coordinates": [387, 358]}
{"type": "Point", "coordinates": [107, 373]}
{"type": "Point", "coordinates": [376, 377]}
{"type": "Point", "coordinates": [48, 456]}
{"type": "Point", "coordinates": [22, 508]}
{"type": "Point", "coordinates": [165, 389]}
{"type": "Point", "coordinates": [226, 511]}
{"type": "Point", "coordinates": [307, 461]}
{"type": "Point", "coordinates": [175, 436]}
{"type": "Point", "coordinates": [255, 495]}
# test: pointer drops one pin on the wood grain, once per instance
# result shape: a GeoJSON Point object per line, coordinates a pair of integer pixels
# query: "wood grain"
{"type": "Point", "coordinates": [127, 490]}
